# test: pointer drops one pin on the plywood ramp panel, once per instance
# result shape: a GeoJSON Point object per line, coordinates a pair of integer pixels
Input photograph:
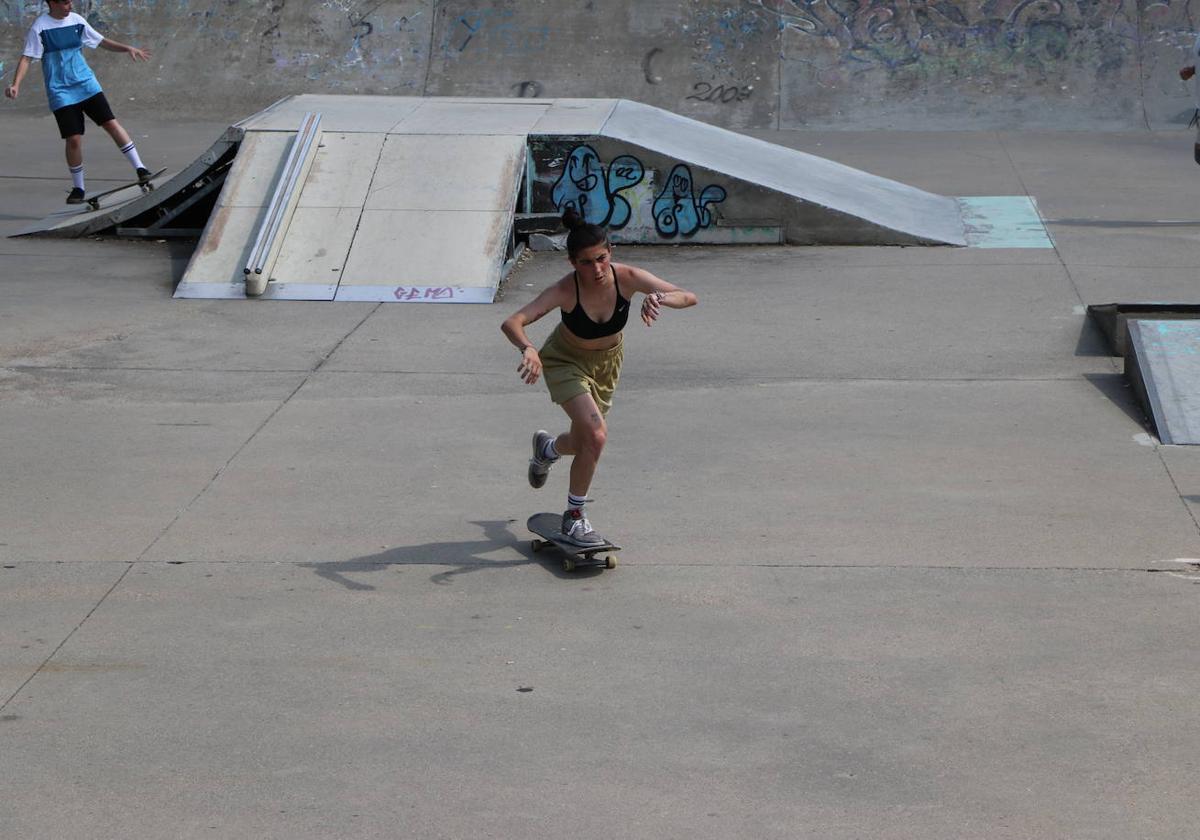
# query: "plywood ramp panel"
{"type": "Point", "coordinates": [317, 242]}
{"type": "Point", "coordinates": [216, 267]}
{"type": "Point", "coordinates": [318, 237]}
{"type": "Point", "coordinates": [437, 219]}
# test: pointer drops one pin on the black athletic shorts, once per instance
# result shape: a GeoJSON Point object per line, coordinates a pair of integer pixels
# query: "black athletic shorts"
{"type": "Point", "coordinates": [70, 117]}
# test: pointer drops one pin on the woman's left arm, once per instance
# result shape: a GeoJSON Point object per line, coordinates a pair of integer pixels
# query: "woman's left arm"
{"type": "Point", "coordinates": [659, 293]}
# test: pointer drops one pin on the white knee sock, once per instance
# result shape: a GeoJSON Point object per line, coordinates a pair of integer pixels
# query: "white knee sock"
{"type": "Point", "coordinates": [575, 502]}
{"type": "Point", "coordinates": [131, 155]}
{"type": "Point", "coordinates": [77, 176]}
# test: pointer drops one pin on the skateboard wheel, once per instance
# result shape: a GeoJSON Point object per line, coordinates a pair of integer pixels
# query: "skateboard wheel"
{"type": "Point", "coordinates": [568, 565]}
{"type": "Point", "coordinates": [610, 562]}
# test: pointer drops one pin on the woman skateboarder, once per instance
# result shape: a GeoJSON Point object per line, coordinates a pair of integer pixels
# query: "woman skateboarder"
{"type": "Point", "coordinates": [57, 38]}
{"type": "Point", "coordinates": [582, 357]}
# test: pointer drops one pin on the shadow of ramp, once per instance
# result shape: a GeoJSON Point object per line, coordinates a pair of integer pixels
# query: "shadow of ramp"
{"type": "Point", "coordinates": [1092, 342]}
{"type": "Point", "coordinates": [180, 252]}
{"type": "Point", "coordinates": [461, 556]}
{"type": "Point", "coordinates": [1118, 391]}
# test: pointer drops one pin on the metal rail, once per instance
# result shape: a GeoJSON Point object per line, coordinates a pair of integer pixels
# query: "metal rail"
{"type": "Point", "coordinates": [264, 250]}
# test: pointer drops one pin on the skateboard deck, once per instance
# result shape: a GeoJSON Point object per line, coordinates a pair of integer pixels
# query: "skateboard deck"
{"type": "Point", "coordinates": [93, 201]}
{"type": "Point", "coordinates": [549, 527]}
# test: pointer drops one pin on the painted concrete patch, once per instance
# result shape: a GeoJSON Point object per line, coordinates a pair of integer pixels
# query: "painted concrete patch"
{"type": "Point", "coordinates": [1003, 221]}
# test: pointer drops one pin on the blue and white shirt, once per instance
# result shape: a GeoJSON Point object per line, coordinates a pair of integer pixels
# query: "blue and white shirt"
{"type": "Point", "coordinates": [59, 45]}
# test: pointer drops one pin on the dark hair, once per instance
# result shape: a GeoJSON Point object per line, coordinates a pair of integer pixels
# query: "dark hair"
{"type": "Point", "coordinates": [581, 234]}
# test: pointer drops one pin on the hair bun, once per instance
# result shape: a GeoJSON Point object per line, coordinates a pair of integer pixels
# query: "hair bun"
{"type": "Point", "coordinates": [571, 218]}
{"type": "Point", "coordinates": [581, 233]}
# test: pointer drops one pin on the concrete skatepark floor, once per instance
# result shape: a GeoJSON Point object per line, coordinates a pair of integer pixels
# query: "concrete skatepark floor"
{"type": "Point", "coordinates": [901, 558]}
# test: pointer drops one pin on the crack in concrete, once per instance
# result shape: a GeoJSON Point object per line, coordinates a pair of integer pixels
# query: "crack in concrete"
{"type": "Point", "coordinates": [46, 662]}
{"type": "Point", "coordinates": [283, 403]}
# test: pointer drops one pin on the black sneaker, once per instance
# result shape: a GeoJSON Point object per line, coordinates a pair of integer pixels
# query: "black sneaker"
{"type": "Point", "coordinates": [143, 175]}
{"type": "Point", "coordinates": [75, 196]}
{"type": "Point", "coordinates": [578, 531]}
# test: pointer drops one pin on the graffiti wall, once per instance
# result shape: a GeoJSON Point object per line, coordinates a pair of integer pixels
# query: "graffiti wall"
{"type": "Point", "coordinates": [648, 198]}
{"type": "Point", "coordinates": [739, 63]}
{"type": "Point", "coordinates": [988, 64]}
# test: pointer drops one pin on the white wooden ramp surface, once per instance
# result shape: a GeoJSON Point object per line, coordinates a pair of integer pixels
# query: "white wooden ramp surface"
{"type": "Point", "coordinates": [216, 267]}
{"type": "Point", "coordinates": [436, 220]}
{"type": "Point", "coordinates": [396, 213]}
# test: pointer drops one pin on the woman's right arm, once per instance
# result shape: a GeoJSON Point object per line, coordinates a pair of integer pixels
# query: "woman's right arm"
{"type": "Point", "coordinates": [514, 329]}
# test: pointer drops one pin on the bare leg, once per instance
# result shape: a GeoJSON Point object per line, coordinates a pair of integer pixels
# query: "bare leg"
{"type": "Point", "coordinates": [74, 150]}
{"type": "Point", "coordinates": [119, 135]}
{"type": "Point", "coordinates": [585, 441]}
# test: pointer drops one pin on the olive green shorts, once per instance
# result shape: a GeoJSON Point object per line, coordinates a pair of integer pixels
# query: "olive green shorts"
{"type": "Point", "coordinates": [570, 371]}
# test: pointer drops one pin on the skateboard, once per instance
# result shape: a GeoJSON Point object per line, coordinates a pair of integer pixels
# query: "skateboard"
{"type": "Point", "coordinates": [549, 526]}
{"type": "Point", "coordinates": [93, 201]}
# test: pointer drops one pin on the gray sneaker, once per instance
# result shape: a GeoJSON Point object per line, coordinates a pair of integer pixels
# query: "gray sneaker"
{"type": "Point", "coordinates": [539, 467]}
{"type": "Point", "coordinates": [578, 531]}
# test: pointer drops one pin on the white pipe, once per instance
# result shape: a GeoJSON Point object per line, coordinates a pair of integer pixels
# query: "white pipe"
{"type": "Point", "coordinates": [269, 228]}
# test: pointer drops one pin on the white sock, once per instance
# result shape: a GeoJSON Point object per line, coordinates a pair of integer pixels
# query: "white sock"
{"type": "Point", "coordinates": [550, 451]}
{"type": "Point", "coordinates": [131, 155]}
{"type": "Point", "coordinates": [575, 502]}
{"type": "Point", "coordinates": [77, 176]}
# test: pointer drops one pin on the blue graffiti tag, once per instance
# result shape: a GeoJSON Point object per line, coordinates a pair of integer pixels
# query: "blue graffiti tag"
{"type": "Point", "coordinates": [593, 192]}
{"type": "Point", "coordinates": [678, 211]}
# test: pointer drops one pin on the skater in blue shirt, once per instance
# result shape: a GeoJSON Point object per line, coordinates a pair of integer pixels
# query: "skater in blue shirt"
{"type": "Point", "coordinates": [57, 38]}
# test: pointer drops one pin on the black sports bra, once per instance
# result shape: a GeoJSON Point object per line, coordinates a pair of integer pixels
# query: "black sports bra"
{"type": "Point", "coordinates": [578, 322]}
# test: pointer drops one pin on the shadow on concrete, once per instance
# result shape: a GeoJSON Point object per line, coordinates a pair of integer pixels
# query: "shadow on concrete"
{"type": "Point", "coordinates": [1092, 341]}
{"type": "Point", "coordinates": [1116, 388]}
{"type": "Point", "coordinates": [462, 556]}
{"type": "Point", "coordinates": [181, 254]}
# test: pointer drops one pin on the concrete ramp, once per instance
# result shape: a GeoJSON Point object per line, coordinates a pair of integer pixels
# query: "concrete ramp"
{"type": "Point", "coordinates": [1162, 362]}
{"type": "Point", "coordinates": [418, 199]}
{"type": "Point", "coordinates": [816, 201]}
{"type": "Point", "coordinates": [427, 199]}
